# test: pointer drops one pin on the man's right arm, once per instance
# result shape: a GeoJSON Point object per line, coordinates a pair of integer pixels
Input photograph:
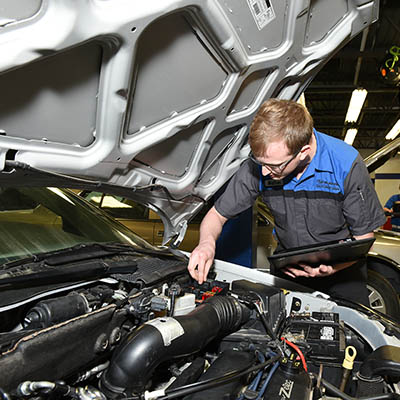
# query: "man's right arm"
{"type": "Point", "coordinates": [203, 255]}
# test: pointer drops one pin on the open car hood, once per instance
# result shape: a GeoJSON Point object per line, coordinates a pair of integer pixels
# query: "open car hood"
{"type": "Point", "coordinates": [153, 99]}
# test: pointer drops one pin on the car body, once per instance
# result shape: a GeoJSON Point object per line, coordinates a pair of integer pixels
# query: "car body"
{"type": "Point", "coordinates": [142, 220]}
{"type": "Point", "coordinates": [383, 259]}
{"type": "Point", "coordinates": [86, 308]}
{"type": "Point", "coordinates": [152, 101]}
{"type": "Point", "coordinates": [384, 272]}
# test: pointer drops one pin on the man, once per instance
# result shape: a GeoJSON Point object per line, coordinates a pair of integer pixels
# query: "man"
{"type": "Point", "coordinates": [317, 188]}
{"type": "Point", "coordinates": [395, 219]}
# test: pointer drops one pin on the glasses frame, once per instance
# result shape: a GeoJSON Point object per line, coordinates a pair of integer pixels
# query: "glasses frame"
{"type": "Point", "coordinates": [274, 167]}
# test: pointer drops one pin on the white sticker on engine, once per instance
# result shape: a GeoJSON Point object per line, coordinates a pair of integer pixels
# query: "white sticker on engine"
{"type": "Point", "coordinates": [286, 389]}
{"type": "Point", "coordinates": [327, 333]}
{"type": "Point", "coordinates": [262, 12]}
{"type": "Point", "coordinates": [169, 328]}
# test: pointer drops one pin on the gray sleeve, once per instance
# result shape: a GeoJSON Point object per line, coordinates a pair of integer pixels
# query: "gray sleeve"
{"type": "Point", "coordinates": [361, 207]}
{"type": "Point", "coordinates": [241, 191]}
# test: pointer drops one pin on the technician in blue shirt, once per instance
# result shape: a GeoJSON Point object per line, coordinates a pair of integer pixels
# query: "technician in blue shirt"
{"type": "Point", "coordinates": [395, 221]}
{"type": "Point", "coordinates": [317, 188]}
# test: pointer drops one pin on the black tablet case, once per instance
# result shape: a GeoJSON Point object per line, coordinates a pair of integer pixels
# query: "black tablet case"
{"type": "Point", "coordinates": [322, 253]}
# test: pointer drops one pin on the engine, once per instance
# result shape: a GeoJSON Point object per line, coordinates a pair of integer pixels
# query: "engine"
{"type": "Point", "coordinates": [128, 338]}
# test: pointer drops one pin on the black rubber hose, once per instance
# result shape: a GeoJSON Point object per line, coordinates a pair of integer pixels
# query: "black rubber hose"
{"type": "Point", "coordinates": [334, 390]}
{"type": "Point", "coordinates": [172, 310]}
{"type": "Point", "coordinates": [227, 361]}
{"type": "Point", "coordinates": [162, 339]}
{"type": "Point", "coordinates": [211, 383]}
{"type": "Point", "coordinates": [383, 361]}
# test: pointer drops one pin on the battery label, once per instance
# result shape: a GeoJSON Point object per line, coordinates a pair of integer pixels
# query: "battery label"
{"type": "Point", "coordinates": [327, 333]}
{"type": "Point", "coordinates": [262, 12]}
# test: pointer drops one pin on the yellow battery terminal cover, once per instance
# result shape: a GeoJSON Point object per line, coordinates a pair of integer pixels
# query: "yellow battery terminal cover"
{"type": "Point", "coordinates": [349, 356]}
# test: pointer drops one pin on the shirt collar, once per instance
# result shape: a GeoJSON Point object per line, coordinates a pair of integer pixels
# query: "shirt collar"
{"type": "Point", "coordinates": [321, 160]}
{"type": "Point", "coordinates": [322, 157]}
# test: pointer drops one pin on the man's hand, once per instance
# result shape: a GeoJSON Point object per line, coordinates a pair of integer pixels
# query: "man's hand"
{"type": "Point", "coordinates": [201, 260]}
{"type": "Point", "coordinates": [304, 270]}
{"type": "Point", "coordinates": [202, 256]}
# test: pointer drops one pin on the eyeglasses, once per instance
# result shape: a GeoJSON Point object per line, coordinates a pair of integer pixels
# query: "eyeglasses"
{"type": "Point", "coordinates": [274, 167]}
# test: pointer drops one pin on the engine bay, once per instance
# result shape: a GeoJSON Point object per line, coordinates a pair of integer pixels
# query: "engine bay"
{"type": "Point", "coordinates": [144, 335]}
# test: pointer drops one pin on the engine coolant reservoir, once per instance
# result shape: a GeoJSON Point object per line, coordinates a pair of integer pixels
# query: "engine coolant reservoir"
{"type": "Point", "coordinates": [289, 382]}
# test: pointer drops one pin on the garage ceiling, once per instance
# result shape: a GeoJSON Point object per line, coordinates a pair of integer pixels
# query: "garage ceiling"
{"type": "Point", "coordinates": [357, 65]}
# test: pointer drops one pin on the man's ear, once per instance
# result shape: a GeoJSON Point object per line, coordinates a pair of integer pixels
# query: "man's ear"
{"type": "Point", "coordinates": [305, 151]}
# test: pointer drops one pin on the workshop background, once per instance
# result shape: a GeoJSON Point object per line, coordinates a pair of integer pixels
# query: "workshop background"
{"type": "Point", "coordinates": [369, 62]}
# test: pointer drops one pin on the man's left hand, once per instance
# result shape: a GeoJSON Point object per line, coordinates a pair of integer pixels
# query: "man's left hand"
{"type": "Point", "coordinates": [306, 271]}
{"type": "Point", "coordinates": [303, 270]}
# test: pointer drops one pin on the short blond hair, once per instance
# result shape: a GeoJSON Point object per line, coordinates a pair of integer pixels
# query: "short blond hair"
{"type": "Point", "coordinates": [280, 119]}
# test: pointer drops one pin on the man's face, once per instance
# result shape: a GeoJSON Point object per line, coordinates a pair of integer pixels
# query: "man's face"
{"type": "Point", "coordinates": [277, 161]}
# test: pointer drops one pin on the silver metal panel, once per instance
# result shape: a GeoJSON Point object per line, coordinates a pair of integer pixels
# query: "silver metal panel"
{"type": "Point", "coordinates": [173, 155]}
{"type": "Point", "coordinates": [174, 72]}
{"type": "Point", "coordinates": [260, 24]}
{"type": "Point", "coordinates": [323, 14]}
{"type": "Point", "coordinates": [248, 91]}
{"type": "Point", "coordinates": [54, 98]}
{"type": "Point", "coordinates": [17, 10]}
{"type": "Point", "coordinates": [219, 146]}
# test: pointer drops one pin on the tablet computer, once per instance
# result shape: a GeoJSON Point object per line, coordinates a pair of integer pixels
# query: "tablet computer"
{"type": "Point", "coordinates": [328, 253]}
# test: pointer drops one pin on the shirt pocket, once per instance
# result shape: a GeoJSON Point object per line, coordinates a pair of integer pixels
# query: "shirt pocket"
{"type": "Point", "coordinates": [325, 216]}
{"type": "Point", "coordinates": [276, 205]}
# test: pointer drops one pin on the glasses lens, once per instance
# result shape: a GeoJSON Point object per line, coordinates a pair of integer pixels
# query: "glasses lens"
{"type": "Point", "coordinates": [274, 168]}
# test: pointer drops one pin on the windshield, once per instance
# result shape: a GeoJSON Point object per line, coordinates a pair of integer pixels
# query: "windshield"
{"type": "Point", "coordinates": [37, 220]}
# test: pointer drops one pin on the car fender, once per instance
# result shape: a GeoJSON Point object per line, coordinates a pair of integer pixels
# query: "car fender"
{"type": "Point", "coordinates": [386, 267]}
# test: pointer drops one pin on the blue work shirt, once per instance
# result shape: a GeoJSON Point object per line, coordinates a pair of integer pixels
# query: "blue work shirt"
{"type": "Point", "coordinates": [333, 199]}
{"type": "Point", "coordinates": [395, 221]}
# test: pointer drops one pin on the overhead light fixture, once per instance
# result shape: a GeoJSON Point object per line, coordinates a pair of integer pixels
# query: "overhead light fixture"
{"type": "Point", "coordinates": [394, 131]}
{"type": "Point", "coordinates": [350, 135]}
{"type": "Point", "coordinates": [356, 103]}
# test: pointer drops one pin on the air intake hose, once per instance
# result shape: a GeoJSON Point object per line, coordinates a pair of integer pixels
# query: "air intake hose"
{"type": "Point", "coordinates": [162, 339]}
{"type": "Point", "coordinates": [383, 361]}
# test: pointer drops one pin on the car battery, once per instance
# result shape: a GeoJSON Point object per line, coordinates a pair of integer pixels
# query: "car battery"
{"type": "Point", "coordinates": [322, 334]}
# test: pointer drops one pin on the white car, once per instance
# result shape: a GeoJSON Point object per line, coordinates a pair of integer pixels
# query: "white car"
{"type": "Point", "coordinates": [152, 100]}
{"type": "Point", "coordinates": [384, 257]}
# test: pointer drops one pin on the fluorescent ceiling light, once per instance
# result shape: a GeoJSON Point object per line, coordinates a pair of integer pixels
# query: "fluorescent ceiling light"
{"type": "Point", "coordinates": [394, 131]}
{"type": "Point", "coordinates": [350, 135]}
{"type": "Point", "coordinates": [356, 103]}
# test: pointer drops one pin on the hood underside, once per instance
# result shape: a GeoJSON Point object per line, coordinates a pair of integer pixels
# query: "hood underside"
{"type": "Point", "coordinates": [153, 99]}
